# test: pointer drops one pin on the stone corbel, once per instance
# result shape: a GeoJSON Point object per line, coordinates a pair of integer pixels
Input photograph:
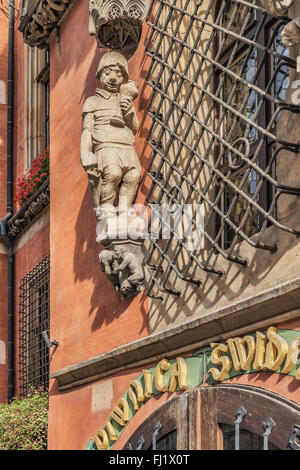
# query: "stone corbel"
{"type": "Point", "coordinates": [39, 18]}
{"type": "Point", "coordinates": [291, 33]}
{"type": "Point", "coordinates": [117, 24]}
{"type": "Point", "coordinates": [277, 7]}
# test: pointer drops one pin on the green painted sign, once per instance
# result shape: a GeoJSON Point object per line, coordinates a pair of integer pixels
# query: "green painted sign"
{"type": "Point", "coordinates": [226, 360]}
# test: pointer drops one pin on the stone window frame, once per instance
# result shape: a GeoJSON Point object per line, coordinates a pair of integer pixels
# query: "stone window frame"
{"type": "Point", "coordinates": [36, 115]}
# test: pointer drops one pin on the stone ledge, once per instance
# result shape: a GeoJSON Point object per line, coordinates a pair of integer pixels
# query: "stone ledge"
{"type": "Point", "coordinates": [28, 213]}
{"type": "Point", "coordinates": [269, 307]}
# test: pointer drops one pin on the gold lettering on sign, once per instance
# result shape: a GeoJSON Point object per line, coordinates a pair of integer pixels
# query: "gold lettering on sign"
{"type": "Point", "coordinates": [163, 365]}
{"type": "Point", "coordinates": [111, 430]}
{"type": "Point", "coordinates": [265, 352]}
{"type": "Point", "coordinates": [120, 413]}
{"type": "Point", "coordinates": [224, 361]}
{"type": "Point", "coordinates": [292, 356]}
{"type": "Point", "coordinates": [276, 351]}
{"type": "Point", "coordinates": [260, 351]}
{"type": "Point", "coordinates": [241, 357]}
{"type": "Point", "coordinates": [136, 393]}
{"type": "Point", "coordinates": [101, 440]}
{"type": "Point", "coordinates": [178, 375]}
{"type": "Point", "coordinates": [148, 383]}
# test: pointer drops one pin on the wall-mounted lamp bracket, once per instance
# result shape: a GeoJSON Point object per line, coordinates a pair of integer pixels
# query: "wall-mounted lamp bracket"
{"type": "Point", "coordinates": [49, 343]}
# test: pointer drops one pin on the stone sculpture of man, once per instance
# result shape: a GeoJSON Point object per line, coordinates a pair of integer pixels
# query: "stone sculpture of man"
{"type": "Point", "coordinates": [107, 142]}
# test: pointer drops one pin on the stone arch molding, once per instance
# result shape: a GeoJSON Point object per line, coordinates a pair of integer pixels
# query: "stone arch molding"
{"type": "Point", "coordinates": [117, 24]}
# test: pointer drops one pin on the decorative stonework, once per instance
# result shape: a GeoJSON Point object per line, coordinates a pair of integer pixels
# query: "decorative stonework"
{"type": "Point", "coordinates": [277, 7]}
{"type": "Point", "coordinates": [39, 18]}
{"type": "Point", "coordinates": [291, 33]}
{"type": "Point", "coordinates": [31, 209]}
{"type": "Point", "coordinates": [107, 150]}
{"type": "Point", "coordinates": [117, 24]}
{"type": "Point", "coordinates": [122, 264]}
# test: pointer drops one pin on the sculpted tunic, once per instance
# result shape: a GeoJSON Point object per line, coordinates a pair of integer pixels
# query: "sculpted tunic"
{"type": "Point", "coordinates": [112, 145]}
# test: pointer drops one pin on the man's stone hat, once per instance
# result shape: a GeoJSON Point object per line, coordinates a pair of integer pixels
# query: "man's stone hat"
{"type": "Point", "coordinates": [113, 58]}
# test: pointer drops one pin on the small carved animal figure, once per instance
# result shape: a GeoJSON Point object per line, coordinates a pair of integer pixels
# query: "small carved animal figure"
{"type": "Point", "coordinates": [106, 259]}
{"type": "Point", "coordinates": [134, 269]}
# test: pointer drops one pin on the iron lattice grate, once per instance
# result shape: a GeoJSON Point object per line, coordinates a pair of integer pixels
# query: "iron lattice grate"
{"type": "Point", "coordinates": [34, 311]}
{"type": "Point", "coordinates": [219, 75]}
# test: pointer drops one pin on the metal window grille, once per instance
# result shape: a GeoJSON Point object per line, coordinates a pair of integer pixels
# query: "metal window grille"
{"type": "Point", "coordinates": [33, 319]}
{"type": "Point", "coordinates": [219, 74]}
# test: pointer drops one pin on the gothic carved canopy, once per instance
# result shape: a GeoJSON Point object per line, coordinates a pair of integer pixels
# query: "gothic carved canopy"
{"type": "Point", "coordinates": [117, 24]}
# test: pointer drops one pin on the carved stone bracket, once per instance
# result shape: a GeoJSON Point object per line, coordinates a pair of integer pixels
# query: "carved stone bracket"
{"type": "Point", "coordinates": [39, 18]}
{"type": "Point", "coordinates": [291, 32]}
{"type": "Point", "coordinates": [117, 24]}
{"type": "Point", "coordinates": [277, 7]}
{"type": "Point", "coordinates": [122, 262]}
{"type": "Point", "coordinates": [31, 209]}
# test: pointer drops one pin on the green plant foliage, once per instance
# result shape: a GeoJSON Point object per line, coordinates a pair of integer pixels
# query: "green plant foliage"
{"type": "Point", "coordinates": [23, 423]}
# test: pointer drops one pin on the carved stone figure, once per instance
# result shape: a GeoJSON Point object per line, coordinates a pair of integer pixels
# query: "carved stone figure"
{"type": "Point", "coordinates": [39, 18]}
{"type": "Point", "coordinates": [107, 263]}
{"type": "Point", "coordinates": [290, 34]}
{"type": "Point", "coordinates": [123, 269]}
{"type": "Point", "coordinates": [117, 24]}
{"type": "Point", "coordinates": [108, 156]}
{"type": "Point", "coordinates": [130, 271]}
{"type": "Point", "coordinates": [107, 142]}
{"type": "Point", "coordinates": [277, 7]}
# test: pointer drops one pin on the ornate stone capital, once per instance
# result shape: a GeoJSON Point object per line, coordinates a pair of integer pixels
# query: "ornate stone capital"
{"type": "Point", "coordinates": [117, 24]}
{"type": "Point", "coordinates": [291, 33]}
{"type": "Point", "coordinates": [39, 18]}
{"type": "Point", "coordinates": [277, 7]}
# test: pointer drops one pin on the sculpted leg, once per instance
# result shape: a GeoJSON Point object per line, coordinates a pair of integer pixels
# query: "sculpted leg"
{"type": "Point", "coordinates": [95, 185]}
{"type": "Point", "coordinates": [112, 176]}
{"type": "Point", "coordinates": [130, 186]}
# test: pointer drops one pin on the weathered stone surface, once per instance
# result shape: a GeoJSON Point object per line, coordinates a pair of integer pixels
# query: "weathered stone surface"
{"type": "Point", "coordinates": [39, 18]}
{"type": "Point", "coordinates": [117, 24]}
{"type": "Point", "coordinates": [291, 33]}
{"type": "Point", "coordinates": [102, 396]}
{"type": "Point", "coordinates": [277, 7]}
